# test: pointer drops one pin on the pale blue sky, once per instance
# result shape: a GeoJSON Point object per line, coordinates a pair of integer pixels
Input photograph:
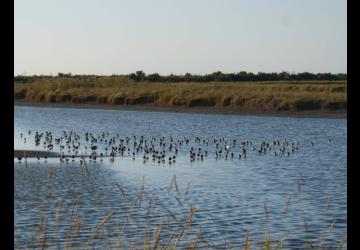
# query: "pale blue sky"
{"type": "Point", "coordinates": [168, 36]}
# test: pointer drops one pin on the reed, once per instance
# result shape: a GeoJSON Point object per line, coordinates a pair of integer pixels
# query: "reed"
{"type": "Point", "coordinates": [182, 234]}
{"type": "Point", "coordinates": [121, 189]}
{"type": "Point", "coordinates": [280, 241]}
{"type": "Point", "coordinates": [247, 241]}
{"type": "Point", "coordinates": [332, 225]}
{"type": "Point", "coordinates": [102, 223]}
{"type": "Point", "coordinates": [83, 163]}
{"type": "Point", "coordinates": [50, 174]}
{"type": "Point", "coordinates": [287, 204]}
{"type": "Point", "coordinates": [187, 189]}
{"type": "Point", "coordinates": [57, 215]}
{"type": "Point", "coordinates": [267, 242]}
{"type": "Point", "coordinates": [186, 226]}
{"type": "Point", "coordinates": [298, 185]}
{"type": "Point", "coordinates": [43, 230]}
{"type": "Point", "coordinates": [342, 242]}
{"type": "Point", "coordinates": [328, 203]}
{"type": "Point", "coordinates": [74, 231]}
{"type": "Point", "coordinates": [266, 212]}
{"type": "Point", "coordinates": [140, 194]}
{"type": "Point", "coordinates": [306, 225]}
{"type": "Point", "coordinates": [74, 208]}
{"type": "Point", "coordinates": [157, 238]}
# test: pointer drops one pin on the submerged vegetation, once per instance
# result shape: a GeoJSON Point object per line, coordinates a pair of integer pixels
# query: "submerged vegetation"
{"type": "Point", "coordinates": [217, 93]}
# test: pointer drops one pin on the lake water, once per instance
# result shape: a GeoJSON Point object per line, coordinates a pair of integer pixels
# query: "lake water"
{"type": "Point", "coordinates": [300, 198]}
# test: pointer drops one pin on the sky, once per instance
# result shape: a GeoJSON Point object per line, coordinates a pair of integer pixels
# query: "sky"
{"type": "Point", "coordinates": [178, 36]}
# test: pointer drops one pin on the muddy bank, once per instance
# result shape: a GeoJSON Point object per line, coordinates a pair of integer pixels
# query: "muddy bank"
{"type": "Point", "coordinates": [34, 153]}
{"type": "Point", "coordinates": [210, 110]}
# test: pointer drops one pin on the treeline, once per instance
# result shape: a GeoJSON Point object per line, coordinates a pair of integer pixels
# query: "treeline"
{"type": "Point", "coordinates": [242, 76]}
{"type": "Point", "coordinates": [29, 79]}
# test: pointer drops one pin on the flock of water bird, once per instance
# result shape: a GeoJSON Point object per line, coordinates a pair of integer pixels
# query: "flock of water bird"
{"type": "Point", "coordinates": [72, 145]}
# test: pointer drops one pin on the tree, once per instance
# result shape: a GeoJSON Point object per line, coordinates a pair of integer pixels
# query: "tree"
{"type": "Point", "coordinates": [137, 76]}
{"type": "Point", "coordinates": [187, 77]}
{"type": "Point", "coordinates": [155, 77]}
{"type": "Point", "coordinates": [140, 74]}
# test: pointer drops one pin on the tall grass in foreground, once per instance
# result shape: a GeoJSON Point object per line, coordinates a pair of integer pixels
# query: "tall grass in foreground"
{"type": "Point", "coordinates": [152, 237]}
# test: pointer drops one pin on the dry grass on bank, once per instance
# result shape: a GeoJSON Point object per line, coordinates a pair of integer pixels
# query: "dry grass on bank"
{"type": "Point", "coordinates": [236, 96]}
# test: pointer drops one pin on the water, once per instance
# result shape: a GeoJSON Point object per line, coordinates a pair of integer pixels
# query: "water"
{"type": "Point", "coordinates": [231, 195]}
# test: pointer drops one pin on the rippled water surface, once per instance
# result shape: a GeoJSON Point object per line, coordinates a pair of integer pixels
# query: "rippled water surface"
{"type": "Point", "coordinates": [301, 197]}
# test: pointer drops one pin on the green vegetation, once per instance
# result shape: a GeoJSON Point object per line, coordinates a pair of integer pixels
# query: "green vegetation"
{"type": "Point", "coordinates": [267, 96]}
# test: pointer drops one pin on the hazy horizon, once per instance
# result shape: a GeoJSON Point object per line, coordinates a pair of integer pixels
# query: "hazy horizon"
{"type": "Point", "coordinates": [167, 74]}
{"type": "Point", "coordinates": [199, 37]}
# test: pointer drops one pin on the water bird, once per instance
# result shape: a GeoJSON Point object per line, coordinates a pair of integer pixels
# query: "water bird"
{"type": "Point", "coordinates": [158, 148]}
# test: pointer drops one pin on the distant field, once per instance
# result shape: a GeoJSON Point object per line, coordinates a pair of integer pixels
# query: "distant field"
{"type": "Point", "coordinates": [271, 96]}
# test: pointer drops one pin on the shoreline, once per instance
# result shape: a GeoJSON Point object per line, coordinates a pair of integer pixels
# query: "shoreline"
{"type": "Point", "coordinates": [34, 153]}
{"type": "Point", "coordinates": [300, 114]}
